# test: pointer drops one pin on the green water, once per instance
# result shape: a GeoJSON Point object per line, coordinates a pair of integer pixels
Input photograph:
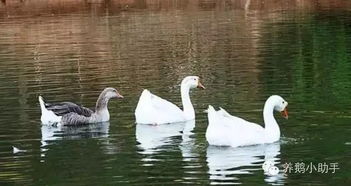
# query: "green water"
{"type": "Point", "coordinates": [243, 57]}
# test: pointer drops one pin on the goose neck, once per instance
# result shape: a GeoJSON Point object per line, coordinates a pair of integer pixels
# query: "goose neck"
{"type": "Point", "coordinates": [101, 104]}
{"type": "Point", "coordinates": [272, 130]}
{"type": "Point", "coordinates": [188, 108]}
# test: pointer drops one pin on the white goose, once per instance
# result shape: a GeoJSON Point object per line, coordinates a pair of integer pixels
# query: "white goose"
{"type": "Point", "coordinates": [152, 109]}
{"type": "Point", "coordinates": [227, 130]}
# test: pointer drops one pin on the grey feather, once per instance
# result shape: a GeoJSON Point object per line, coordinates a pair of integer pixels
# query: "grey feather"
{"type": "Point", "coordinates": [63, 108]}
{"type": "Point", "coordinates": [74, 119]}
{"type": "Point", "coordinates": [73, 114]}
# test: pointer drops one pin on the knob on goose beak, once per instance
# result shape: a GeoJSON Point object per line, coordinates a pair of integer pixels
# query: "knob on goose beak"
{"type": "Point", "coordinates": [285, 113]}
{"type": "Point", "coordinates": [199, 85]}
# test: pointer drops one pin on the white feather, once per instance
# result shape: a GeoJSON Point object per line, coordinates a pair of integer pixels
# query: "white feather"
{"type": "Point", "coordinates": [152, 109]}
{"type": "Point", "coordinates": [47, 116]}
{"type": "Point", "coordinates": [17, 150]}
{"type": "Point", "coordinates": [227, 130]}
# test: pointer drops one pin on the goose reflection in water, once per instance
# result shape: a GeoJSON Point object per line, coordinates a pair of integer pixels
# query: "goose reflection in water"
{"type": "Point", "coordinates": [187, 146]}
{"type": "Point", "coordinates": [152, 137]}
{"type": "Point", "coordinates": [226, 164]}
{"type": "Point", "coordinates": [50, 134]}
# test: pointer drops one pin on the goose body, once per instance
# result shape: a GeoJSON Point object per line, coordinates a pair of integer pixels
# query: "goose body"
{"type": "Point", "coordinates": [68, 113]}
{"type": "Point", "coordinates": [227, 130]}
{"type": "Point", "coordinates": [152, 109]}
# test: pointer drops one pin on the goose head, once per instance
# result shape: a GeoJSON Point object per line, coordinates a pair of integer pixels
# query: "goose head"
{"type": "Point", "coordinates": [105, 96]}
{"type": "Point", "coordinates": [280, 105]}
{"type": "Point", "coordinates": [109, 93]}
{"type": "Point", "coordinates": [192, 82]}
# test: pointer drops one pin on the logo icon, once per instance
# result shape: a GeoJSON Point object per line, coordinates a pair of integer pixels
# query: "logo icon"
{"type": "Point", "coordinates": [268, 167]}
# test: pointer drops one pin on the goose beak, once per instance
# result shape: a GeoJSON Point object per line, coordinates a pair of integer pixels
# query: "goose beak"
{"type": "Point", "coordinates": [199, 85]}
{"type": "Point", "coordinates": [119, 95]}
{"type": "Point", "coordinates": [285, 113]}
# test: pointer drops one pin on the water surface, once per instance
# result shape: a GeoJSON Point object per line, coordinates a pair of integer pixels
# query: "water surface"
{"type": "Point", "coordinates": [243, 51]}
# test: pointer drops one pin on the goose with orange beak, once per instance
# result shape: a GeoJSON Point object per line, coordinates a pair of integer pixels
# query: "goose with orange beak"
{"type": "Point", "coordinates": [227, 130]}
{"type": "Point", "coordinates": [152, 109]}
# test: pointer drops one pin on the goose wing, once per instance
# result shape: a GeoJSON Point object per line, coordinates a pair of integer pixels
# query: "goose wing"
{"type": "Point", "coordinates": [237, 123]}
{"type": "Point", "coordinates": [63, 108]}
{"type": "Point", "coordinates": [165, 106]}
{"type": "Point", "coordinates": [225, 129]}
{"type": "Point", "coordinates": [153, 109]}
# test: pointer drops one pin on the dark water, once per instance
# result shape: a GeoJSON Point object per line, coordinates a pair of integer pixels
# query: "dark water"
{"type": "Point", "coordinates": [302, 52]}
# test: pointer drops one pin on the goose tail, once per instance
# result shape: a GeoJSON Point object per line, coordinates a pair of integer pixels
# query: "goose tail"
{"type": "Point", "coordinates": [210, 109]}
{"type": "Point", "coordinates": [211, 115]}
{"type": "Point", "coordinates": [42, 104]}
{"type": "Point", "coordinates": [47, 116]}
